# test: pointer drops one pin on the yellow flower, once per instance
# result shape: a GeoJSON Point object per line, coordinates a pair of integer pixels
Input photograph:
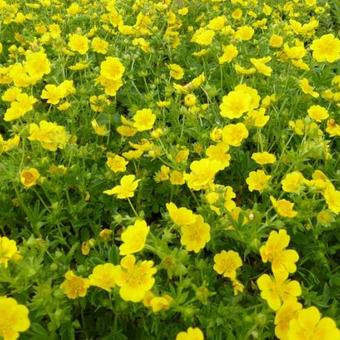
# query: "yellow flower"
{"type": "Point", "coordinates": [293, 182]}
{"type": "Point", "coordinates": [325, 217]}
{"type": "Point", "coordinates": [126, 131]}
{"type": "Point", "coordinates": [333, 129]}
{"type": "Point", "coordinates": [183, 11]}
{"type": "Point", "coordinates": [217, 23]}
{"type": "Point", "coordinates": [74, 286]}
{"type": "Point", "coordinates": [143, 44]}
{"type": "Point", "coordinates": [57, 170]}
{"type": "Point", "coordinates": [244, 33]}
{"type": "Point", "coordinates": [202, 173]}
{"type": "Point", "coordinates": [190, 334]}
{"type": "Point", "coordinates": [287, 312]}
{"type": "Point", "coordinates": [319, 181]}
{"type": "Point", "coordinates": [238, 287]}
{"type": "Point", "coordinates": [134, 238]}
{"type": "Point", "coordinates": [308, 325]}
{"type": "Point", "coordinates": [219, 153]}
{"type": "Point", "coordinates": [86, 246]}
{"type": "Point", "coordinates": [263, 158]}
{"type": "Point", "coordinates": [195, 236]}
{"type": "Point", "coordinates": [242, 70]}
{"type": "Point", "coordinates": [243, 99]}
{"type": "Point", "coordinates": [78, 43]}
{"type": "Point", "coordinates": [192, 85]}
{"type": "Point", "coordinates": [17, 74]}
{"type": "Point", "coordinates": [116, 163]}
{"type": "Point", "coordinates": [144, 120]}
{"type": "Point", "coordinates": [230, 52]}
{"type": "Point", "coordinates": [212, 198]}
{"type": "Point", "coordinates": [295, 52]}
{"type": "Point", "coordinates": [111, 73]}
{"type": "Point", "coordinates": [112, 68]}
{"type": "Point", "coordinates": [332, 198]}
{"type": "Point", "coordinates": [161, 104]}
{"type": "Point", "coordinates": [255, 98]}
{"type": "Point", "coordinates": [99, 45]}
{"type": "Point", "coordinates": [326, 48]}
{"type": "Point", "coordinates": [135, 279]}
{"type": "Point", "coordinates": [318, 113]}
{"type": "Point", "coordinates": [14, 318]}
{"type": "Point", "coordinates": [260, 65]}
{"type": "Point", "coordinates": [106, 234]}
{"type": "Point", "coordinates": [36, 65]}
{"type": "Point", "coordinates": [23, 103]}
{"type": "Point", "coordinates": [133, 154]}
{"type": "Point", "coordinates": [307, 88]}
{"type": "Point", "coordinates": [11, 94]}
{"type": "Point", "coordinates": [51, 135]}
{"type": "Point", "coordinates": [29, 177]}
{"type": "Point", "coordinates": [176, 178]}
{"type": "Point", "coordinates": [275, 41]}
{"type": "Point", "coordinates": [276, 290]}
{"type": "Point", "coordinates": [162, 174]}
{"type": "Point", "coordinates": [111, 86]}
{"type": "Point", "coordinates": [200, 53]}
{"type": "Point", "coordinates": [64, 106]}
{"type": "Point", "coordinates": [100, 130]}
{"type": "Point", "coordinates": [283, 207]}
{"type": "Point", "coordinates": [157, 303]}
{"type": "Point", "coordinates": [298, 126]}
{"type": "Point", "coordinates": [216, 134]}
{"type": "Point", "coordinates": [203, 36]}
{"type": "Point", "coordinates": [299, 63]}
{"type": "Point", "coordinates": [235, 104]}
{"type": "Point", "coordinates": [226, 263]}
{"type": "Point", "coordinates": [126, 189]}
{"type": "Point", "coordinates": [237, 14]}
{"type": "Point", "coordinates": [274, 251]}
{"type": "Point", "coordinates": [257, 118]}
{"type": "Point", "coordinates": [98, 103]}
{"type": "Point", "coordinates": [104, 276]}
{"type": "Point", "coordinates": [308, 28]}
{"type": "Point", "coordinates": [9, 144]}
{"type": "Point", "coordinates": [267, 101]}
{"type": "Point", "coordinates": [79, 66]}
{"type": "Point", "coordinates": [53, 93]}
{"type": "Point", "coordinates": [8, 251]}
{"type": "Point", "coordinates": [190, 100]}
{"type": "Point", "coordinates": [74, 9]}
{"type": "Point", "coordinates": [229, 194]}
{"type": "Point", "coordinates": [182, 155]}
{"type": "Point", "coordinates": [180, 216]}
{"type": "Point", "coordinates": [257, 180]}
{"type": "Point", "coordinates": [176, 71]}
{"type": "Point", "coordinates": [68, 87]}
{"type": "Point", "coordinates": [234, 134]}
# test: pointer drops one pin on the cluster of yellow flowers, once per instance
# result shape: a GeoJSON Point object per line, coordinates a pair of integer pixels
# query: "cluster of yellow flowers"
{"type": "Point", "coordinates": [134, 279]}
{"type": "Point", "coordinates": [51, 135]}
{"type": "Point", "coordinates": [292, 321]}
{"type": "Point", "coordinates": [195, 233]}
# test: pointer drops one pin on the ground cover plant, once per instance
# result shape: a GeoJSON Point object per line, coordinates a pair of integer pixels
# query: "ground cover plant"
{"type": "Point", "coordinates": [169, 169]}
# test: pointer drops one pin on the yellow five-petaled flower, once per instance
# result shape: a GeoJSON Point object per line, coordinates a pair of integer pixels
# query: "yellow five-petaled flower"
{"type": "Point", "coordinates": [126, 189]}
